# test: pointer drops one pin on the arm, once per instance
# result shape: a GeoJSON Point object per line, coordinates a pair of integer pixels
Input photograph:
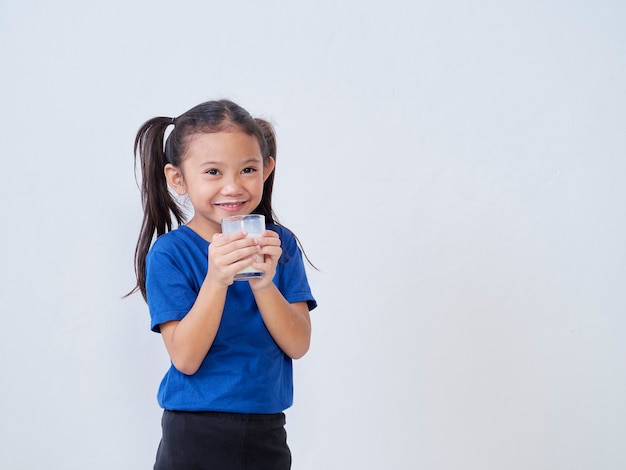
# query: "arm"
{"type": "Point", "coordinates": [289, 324]}
{"type": "Point", "coordinates": [188, 340]}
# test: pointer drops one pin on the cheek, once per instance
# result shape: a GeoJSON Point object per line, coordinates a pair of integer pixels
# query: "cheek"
{"type": "Point", "coordinates": [258, 188]}
{"type": "Point", "coordinates": [259, 181]}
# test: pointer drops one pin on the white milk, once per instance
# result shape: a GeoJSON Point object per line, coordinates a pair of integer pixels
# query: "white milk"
{"type": "Point", "coordinates": [250, 271]}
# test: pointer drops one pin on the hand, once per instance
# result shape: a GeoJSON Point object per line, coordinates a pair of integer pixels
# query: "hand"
{"type": "Point", "coordinates": [268, 246]}
{"type": "Point", "coordinates": [229, 254]}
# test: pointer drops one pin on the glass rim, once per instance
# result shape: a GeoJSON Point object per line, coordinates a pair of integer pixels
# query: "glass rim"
{"type": "Point", "coordinates": [243, 216]}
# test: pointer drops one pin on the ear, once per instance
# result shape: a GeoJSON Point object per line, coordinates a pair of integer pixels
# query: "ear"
{"type": "Point", "coordinates": [268, 167]}
{"type": "Point", "coordinates": [175, 180]}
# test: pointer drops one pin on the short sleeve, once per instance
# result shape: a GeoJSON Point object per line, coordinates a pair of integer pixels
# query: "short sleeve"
{"type": "Point", "coordinates": [292, 279]}
{"type": "Point", "coordinates": [170, 291]}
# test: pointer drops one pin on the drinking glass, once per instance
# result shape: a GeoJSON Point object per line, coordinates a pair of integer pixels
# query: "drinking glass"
{"type": "Point", "coordinates": [253, 224]}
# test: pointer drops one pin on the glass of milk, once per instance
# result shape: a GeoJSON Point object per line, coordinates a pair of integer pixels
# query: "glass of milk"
{"type": "Point", "coordinates": [253, 224]}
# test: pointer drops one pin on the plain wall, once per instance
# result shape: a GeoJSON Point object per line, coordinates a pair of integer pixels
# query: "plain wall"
{"type": "Point", "coordinates": [455, 169]}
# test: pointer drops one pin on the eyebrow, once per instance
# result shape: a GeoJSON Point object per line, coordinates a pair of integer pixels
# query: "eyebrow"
{"type": "Point", "coordinates": [245, 162]}
{"type": "Point", "coordinates": [253, 160]}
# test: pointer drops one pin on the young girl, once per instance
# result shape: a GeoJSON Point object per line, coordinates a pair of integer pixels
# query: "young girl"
{"type": "Point", "coordinates": [231, 344]}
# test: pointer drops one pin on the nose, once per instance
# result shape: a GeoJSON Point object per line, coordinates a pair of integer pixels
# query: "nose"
{"type": "Point", "coordinates": [232, 187]}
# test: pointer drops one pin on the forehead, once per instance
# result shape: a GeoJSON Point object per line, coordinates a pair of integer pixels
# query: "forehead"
{"type": "Point", "coordinates": [223, 145]}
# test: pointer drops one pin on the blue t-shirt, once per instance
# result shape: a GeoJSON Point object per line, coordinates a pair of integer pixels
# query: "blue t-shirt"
{"type": "Point", "coordinates": [245, 371]}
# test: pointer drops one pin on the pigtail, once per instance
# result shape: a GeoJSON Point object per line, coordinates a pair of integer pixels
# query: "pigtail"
{"type": "Point", "coordinates": [265, 206]}
{"type": "Point", "coordinates": [269, 149]}
{"type": "Point", "coordinates": [159, 206]}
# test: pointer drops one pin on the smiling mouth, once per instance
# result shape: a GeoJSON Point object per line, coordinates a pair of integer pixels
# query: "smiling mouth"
{"type": "Point", "coordinates": [230, 206]}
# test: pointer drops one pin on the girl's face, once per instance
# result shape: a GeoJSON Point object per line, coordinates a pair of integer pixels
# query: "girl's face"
{"type": "Point", "coordinates": [223, 174]}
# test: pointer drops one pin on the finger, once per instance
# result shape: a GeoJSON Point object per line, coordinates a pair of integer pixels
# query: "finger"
{"type": "Point", "coordinates": [222, 239]}
{"type": "Point", "coordinates": [274, 251]}
{"type": "Point", "coordinates": [234, 256]}
{"type": "Point", "coordinates": [269, 234]}
{"type": "Point", "coordinates": [267, 241]}
{"type": "Point", "coordinates": [268, 268]}
{"type": "Point", "coordinates": [227, 245]}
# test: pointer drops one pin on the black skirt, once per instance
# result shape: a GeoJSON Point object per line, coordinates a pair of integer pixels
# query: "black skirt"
{"type": "Point", "coordinates": [223, 441]}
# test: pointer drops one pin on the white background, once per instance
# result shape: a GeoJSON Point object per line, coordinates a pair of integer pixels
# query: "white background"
{"type": "Point", "coordinates": [455, 169]}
